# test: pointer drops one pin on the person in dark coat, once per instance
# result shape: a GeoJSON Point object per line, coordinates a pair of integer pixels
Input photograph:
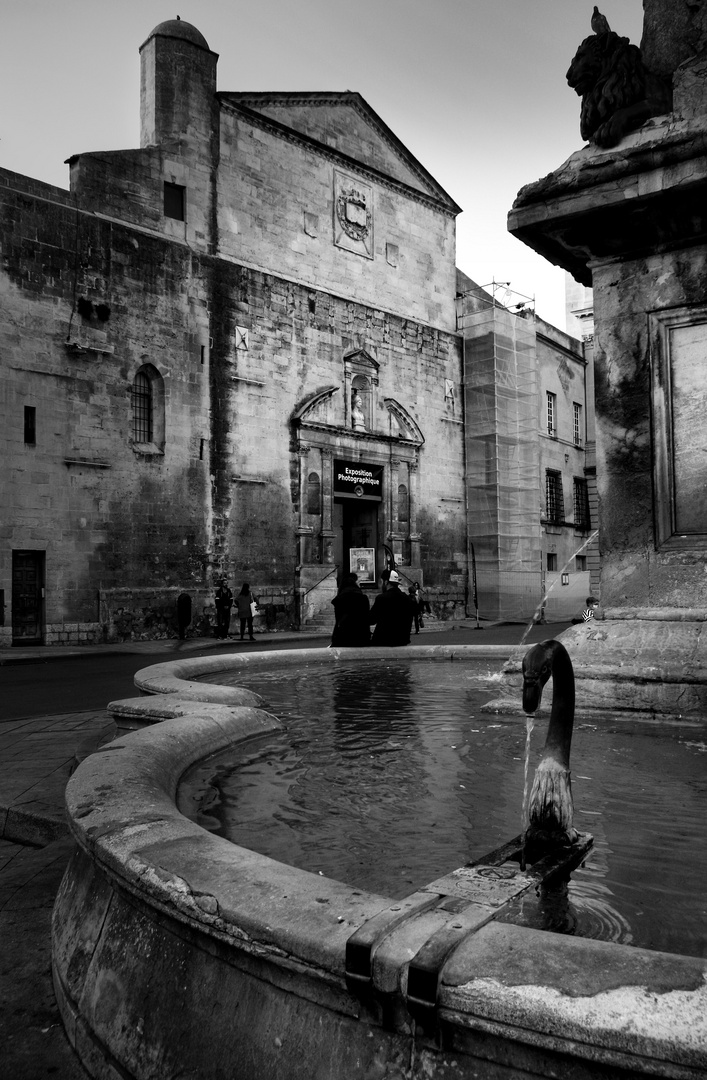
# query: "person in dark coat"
{"type": "Point", "coordinates": [244, 603]}
{"type": "Point", "coordinates": [392, 612]}
{"type": "Point", "coordinates": [224, 603]}
{"type": "Point", "coordinates": [183, 614]}
{"type": "Point", "coordinates": [351, 609]}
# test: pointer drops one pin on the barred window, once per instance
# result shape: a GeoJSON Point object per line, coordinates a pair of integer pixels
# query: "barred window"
{"type": "Point", "coordinates": [148, 411]}
{"type": "Point", "coordinates": [554, 501]}
{"type": "Point", "coordinates": [581, 504]}
{"type": "Point", "coordinates": [551, 414]}
{"type": "Point", "coordinates": [577, 424]}
{"type": "Point", "coordinates": [142, 408]}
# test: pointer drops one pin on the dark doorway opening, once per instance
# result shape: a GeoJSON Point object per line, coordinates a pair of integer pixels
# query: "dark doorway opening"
{"type": "Point", "coordinates": [356, 522]}
{"type": "Point", "coordinates": [27, 597]}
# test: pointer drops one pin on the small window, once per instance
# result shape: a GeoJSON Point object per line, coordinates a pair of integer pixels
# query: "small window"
{"type": "Point", "coordinates": [314, 494]}
{"type": "Point", "coordinates": [174, 201]}
{"type": "Point", "coordinates": [581, 563]}
{"type": "Point", "coordinates": [577, 424]}
{"type": "Point", "coordinates": [552, 414]}
{"type": "Point", "coordinates": [403, 504]}
{"type": "Point", "coordinates": [581, 504]}
{"type": "Point", "coordinates": [554, 501]}
{"type": "Point", "coordinates": [551, 560]}
{"type": "Point", "coordinates": [30, 425]}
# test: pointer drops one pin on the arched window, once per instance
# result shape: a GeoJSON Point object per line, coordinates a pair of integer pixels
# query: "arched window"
{"type": "Point", "coordinates": [403, 503]}
{"type": "Point", "coordinates": [314, 494]}
{"type": "Point", "coordinates": [147, 400]}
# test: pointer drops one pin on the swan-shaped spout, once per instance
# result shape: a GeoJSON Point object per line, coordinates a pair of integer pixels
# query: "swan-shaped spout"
{"type": "Point", "coordinates": [550, 809]}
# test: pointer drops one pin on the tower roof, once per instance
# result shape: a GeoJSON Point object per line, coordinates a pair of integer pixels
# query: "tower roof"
{"type": "Point", "coordinates": [177, 28]}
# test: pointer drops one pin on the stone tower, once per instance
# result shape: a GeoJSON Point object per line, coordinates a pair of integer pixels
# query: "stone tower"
{"type": "Point", "coordinates": [177, 87]}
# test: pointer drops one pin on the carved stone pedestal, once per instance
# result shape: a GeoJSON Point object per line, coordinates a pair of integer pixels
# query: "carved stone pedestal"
{"type": "Point", "coordinates": [632, 222]}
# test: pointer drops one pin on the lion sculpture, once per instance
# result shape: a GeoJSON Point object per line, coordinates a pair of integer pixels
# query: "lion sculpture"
{"type": "Point", "coordinates": [618, 92]}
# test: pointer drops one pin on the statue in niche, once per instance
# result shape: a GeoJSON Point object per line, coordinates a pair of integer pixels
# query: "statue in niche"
{"type": "Point", "coordinates": [617, 90]}
{"type": "Point", "coordinates": [358, 417]}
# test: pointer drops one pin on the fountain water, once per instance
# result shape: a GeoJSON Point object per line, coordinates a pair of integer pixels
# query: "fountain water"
{"type": "Point", "coordinates": [539, 608]}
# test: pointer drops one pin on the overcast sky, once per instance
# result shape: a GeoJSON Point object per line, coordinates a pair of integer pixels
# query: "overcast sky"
{"type": "Point", "coordinates": [476, 90]}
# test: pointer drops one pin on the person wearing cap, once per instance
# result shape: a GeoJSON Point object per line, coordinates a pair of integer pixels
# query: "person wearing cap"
{"type": "Point", "coordinates": [392, 613]}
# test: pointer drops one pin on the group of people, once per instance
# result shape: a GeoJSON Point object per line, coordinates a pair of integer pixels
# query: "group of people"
{"type": "Point", "coordinates": [393, 613]}
{"type": "Point", "coordinates": [246, 606]}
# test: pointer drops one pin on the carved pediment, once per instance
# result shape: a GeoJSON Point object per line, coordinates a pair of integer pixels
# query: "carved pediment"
{"type": "Point", "coordinates": [360, 362]}
{"type": "Point", "coordinates": [316, 409]}
{"type": "Point", "coordinates": [400, 419]}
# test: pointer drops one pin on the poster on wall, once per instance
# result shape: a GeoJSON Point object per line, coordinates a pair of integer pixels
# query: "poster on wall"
{"type": "Point", "coordinates": [362, 562]}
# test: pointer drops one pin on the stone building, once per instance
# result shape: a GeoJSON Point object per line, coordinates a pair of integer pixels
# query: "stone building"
{"type": "Point", "coordinates": [528, 406]}
{"type": "Point", "coordinates": [233, 351]}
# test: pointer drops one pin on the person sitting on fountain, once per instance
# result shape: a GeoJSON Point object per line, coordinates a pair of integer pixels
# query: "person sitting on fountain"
{"type": "Point", "coordinates": [588, 612]}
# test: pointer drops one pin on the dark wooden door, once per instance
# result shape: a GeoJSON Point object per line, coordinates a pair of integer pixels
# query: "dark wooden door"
{"type": "Point", "coordinates": [27, 597]}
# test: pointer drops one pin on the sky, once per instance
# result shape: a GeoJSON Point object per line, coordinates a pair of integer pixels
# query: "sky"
{"type": "Point", "coordinates": [475, 90]}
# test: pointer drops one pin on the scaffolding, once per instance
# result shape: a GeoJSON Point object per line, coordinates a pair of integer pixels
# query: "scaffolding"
{"type": "Point", "coordinates": [502, 456]}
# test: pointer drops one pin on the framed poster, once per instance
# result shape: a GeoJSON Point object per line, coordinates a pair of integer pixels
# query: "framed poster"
{"type": "Point", "coordinates": [362, 562]}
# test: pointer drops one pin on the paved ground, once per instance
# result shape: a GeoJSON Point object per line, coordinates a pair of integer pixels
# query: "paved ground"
{"type": "Point", "coordinates": [37, 756]}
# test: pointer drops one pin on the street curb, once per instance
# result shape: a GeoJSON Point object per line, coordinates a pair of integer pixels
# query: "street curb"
{"type": "Point", "coordinates": [36, 830]}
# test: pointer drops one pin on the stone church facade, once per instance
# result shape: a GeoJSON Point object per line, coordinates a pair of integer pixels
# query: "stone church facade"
{"type": "Point", "coordinates": [232, 351]}
{"type": "Point", "coordinates": [235, 351]}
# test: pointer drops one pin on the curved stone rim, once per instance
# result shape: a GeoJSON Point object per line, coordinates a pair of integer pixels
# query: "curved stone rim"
{"type": "Point", "coordinates": [174, 676]}
{"type": "Point", "coordinates": [606, 1004]}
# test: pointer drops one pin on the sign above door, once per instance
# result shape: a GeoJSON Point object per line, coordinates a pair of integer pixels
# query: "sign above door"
{"type": "Point", "coordinates": [358, 480]}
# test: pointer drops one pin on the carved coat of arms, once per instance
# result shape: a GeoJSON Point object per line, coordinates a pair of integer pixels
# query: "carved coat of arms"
{"type": "Point", "coordinates": [353, 215]}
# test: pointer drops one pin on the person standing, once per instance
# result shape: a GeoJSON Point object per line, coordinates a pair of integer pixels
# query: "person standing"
{"type": "Point", "coordinates": [417, 605]}
{"type": "Point", "coordinates": [224, 603]}
{"type": "Point", "coordinates": [245, 602]}
{"type": "Point", "coordinates": [392, 613]}
{"type": "Point", "coordinates": [183, 614]}
{"type": "Point", "coordinates": [351, 609]}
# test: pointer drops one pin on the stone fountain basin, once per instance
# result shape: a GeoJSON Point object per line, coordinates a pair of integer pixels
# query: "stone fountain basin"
{"type": "Point", "coordinates": [177, 953]}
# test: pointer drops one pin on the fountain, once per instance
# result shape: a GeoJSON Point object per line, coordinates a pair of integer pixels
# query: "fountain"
{"type": "Point", "coordinates": [176, 952]}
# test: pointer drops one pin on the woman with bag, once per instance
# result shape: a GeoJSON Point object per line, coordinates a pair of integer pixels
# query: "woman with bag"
{"type": "Point", "coordinates": [247, 608]}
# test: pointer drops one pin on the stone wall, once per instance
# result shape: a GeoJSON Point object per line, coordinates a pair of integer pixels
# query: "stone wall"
{"type": "Point", "coordinates": [412, 265]}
